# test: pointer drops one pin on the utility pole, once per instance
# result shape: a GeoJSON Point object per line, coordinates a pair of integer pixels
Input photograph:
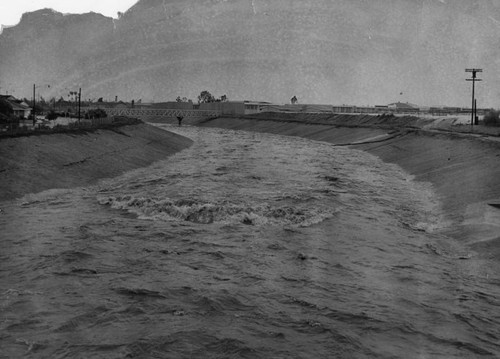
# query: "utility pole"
{"type": "Point", "coordinates": [34, 110]}
{"type": "Point", "coordinates": [476, 122]}
{"type": "Point", "coordinates": [473, 79]}
{"type": "Point", "coordinates": [79, 103]}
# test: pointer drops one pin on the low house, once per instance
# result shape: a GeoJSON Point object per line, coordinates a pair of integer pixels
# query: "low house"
{"type": "Point", "coordinates": [10, 106]}
{"type": "Point", "coordinates": [12, 112]}
{"type": "Point", "coordinates": [255, 106]}
{"type": "Point", "coordinates": [403, 107]}
{"type": "Point", "coordinates": [21, 109]}
{"type": "Point", "coordinates": [121, 105]}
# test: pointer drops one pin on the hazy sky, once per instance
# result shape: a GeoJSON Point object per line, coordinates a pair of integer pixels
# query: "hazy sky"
{"type": "Point", "coordinates": [11, 11]}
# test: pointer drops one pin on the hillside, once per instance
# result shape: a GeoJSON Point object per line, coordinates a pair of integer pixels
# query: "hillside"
{"type": "Point", "coordinates": [343, 51]}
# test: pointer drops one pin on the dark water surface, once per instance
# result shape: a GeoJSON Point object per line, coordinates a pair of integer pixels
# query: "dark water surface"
{"type": "Point", "coordinates": [245, 245]}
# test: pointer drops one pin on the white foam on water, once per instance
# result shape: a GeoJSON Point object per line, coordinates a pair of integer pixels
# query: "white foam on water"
{"type": "Point", "coordinates": [223, 212]}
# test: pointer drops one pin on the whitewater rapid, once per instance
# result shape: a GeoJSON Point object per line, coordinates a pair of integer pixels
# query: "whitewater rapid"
{"type": "Point", "coordinates": [245, 245]}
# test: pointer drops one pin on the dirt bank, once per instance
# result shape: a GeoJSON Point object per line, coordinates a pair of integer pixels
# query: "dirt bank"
{"type": "Point", "coordinates": [36, 163]}
{"type": "Point", "coordinates": [463, 168]}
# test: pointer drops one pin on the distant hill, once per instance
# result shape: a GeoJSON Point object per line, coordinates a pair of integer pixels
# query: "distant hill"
{"type": "Point", "coordinates": [322, 51]}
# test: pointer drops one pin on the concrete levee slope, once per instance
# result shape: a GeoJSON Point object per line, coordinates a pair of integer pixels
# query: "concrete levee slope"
{"type": "Point", "coordinates": [64, 160]}
{"type": "Point", "coordinates": [463, 168]}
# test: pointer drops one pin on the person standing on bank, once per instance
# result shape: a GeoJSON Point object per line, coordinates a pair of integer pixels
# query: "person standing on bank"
{"type": "Point", "coordinates": [180, 118]}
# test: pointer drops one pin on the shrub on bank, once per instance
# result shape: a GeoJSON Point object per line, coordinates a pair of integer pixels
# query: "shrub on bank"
{"type": "Point", "coordinates": [95, 113]}
{"type": "Point", "coordinates": [52, 115]}
{"type": "Point", "coordinates": [74, 127]}
{"type": "Point", "coordinates": [492, 118]}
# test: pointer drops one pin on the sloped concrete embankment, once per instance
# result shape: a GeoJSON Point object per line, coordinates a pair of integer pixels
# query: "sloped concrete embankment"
{"type": "Point", "coordinates": [64, 160]}
{"type": "Point", "coordinates": [464, 170]}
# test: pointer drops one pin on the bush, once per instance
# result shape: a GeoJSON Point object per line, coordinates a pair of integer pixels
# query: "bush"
{"type": "Point", "coordinates": [96, 113]}
{"type": "Point", "coordinates": [492, 118]}
{"type": "Point", "coordinates": [52, 115]}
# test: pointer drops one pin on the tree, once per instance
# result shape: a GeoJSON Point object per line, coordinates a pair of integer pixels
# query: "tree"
{"type": "Point", "coordinates": [179, 99]}
{"type": "Point", "coordinates": [5, 108]}
{"type": "Point", "coordinates": [95, 113]}
{"type": "Point", "coordinates": [52, 115]}
{"type": "Point", "coordinates": [205, 97]}
{"type": "Point", "coordinates": [294, 100]}
{"type": "Point", "coordinates": [492, 118]}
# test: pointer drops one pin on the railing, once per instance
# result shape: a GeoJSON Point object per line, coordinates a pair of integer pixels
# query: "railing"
{"type": "Point", "coordinates": [171, 113]}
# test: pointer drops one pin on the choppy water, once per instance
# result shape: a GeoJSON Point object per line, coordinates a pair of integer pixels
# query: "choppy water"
{"type": "Point", "coordinates": [246, 245]}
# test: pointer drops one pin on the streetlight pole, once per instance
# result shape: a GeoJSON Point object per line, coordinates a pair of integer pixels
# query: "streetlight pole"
{"type": "Point", "coordinates": [473, 79]}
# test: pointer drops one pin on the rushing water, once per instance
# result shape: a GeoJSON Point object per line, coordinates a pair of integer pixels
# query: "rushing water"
{"type": "Point", "coordinates": [245, 245]}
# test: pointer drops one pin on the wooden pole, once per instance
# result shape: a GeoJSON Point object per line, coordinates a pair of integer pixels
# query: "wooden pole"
{"type": "Point", "coordinates": [473, 79]}
{"type": "Point", "coordinates": [79, 103]}
{"type": "Point", "coordinates": [34, 110]}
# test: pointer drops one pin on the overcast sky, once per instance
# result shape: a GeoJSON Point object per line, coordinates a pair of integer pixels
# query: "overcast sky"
{"type": "Point", "coordinates": [11, 11]}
